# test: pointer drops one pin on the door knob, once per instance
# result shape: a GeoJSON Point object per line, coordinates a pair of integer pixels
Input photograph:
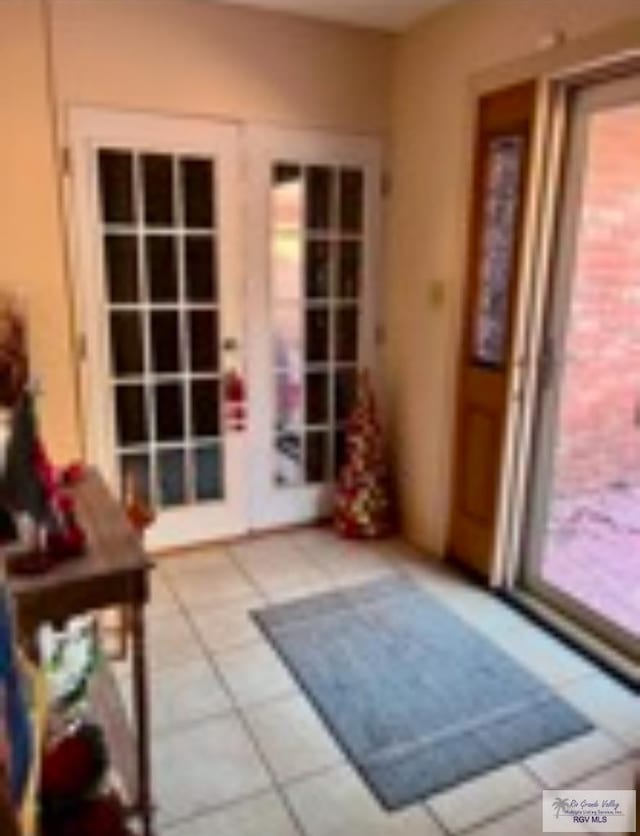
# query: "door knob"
{"type": "Point", "coordinates": [230, 344]}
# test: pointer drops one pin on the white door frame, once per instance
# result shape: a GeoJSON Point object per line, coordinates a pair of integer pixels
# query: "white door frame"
{"type": "Point", "coordinates": [89, 128]}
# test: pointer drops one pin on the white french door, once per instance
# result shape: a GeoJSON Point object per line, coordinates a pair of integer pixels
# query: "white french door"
{"type": "Point", "coordinates": [225, 316]}
{"type": "Point", "coordinates": [155, 210]}
{"type": "Point", "coordinates": [314, 227]}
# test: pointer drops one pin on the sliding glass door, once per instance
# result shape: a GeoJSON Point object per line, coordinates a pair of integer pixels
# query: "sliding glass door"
{"type": "Point", "coordinates": [582, 552]}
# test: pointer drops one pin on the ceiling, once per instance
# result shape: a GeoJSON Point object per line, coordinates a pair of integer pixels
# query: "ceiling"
{"type": "Point", "coordinates": [391, 15]}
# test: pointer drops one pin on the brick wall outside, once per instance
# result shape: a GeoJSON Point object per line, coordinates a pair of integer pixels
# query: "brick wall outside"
{"type": "Point", "coordinates": [599, 437]}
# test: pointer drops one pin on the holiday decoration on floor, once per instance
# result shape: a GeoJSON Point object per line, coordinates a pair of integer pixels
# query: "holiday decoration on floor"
{"type": "Point", "coordinates": [363, 506]}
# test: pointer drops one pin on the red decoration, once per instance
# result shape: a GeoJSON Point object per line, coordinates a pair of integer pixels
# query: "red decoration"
{"type": "Point", "coordinates": [73, 473]}
{"type": "Point", "coordinates": [235, 395]}
{"type": "Point", "coordinates": [363, 503]}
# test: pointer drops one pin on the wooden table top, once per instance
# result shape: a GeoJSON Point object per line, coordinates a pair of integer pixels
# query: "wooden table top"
{"type": "Point", "coordinates": [113, 571]}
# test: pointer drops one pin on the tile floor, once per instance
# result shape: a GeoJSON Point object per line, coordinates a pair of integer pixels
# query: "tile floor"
{"type": "Point", "coordinates": [239, 751]}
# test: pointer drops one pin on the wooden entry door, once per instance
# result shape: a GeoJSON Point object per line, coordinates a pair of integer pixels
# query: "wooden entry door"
{"type": "Point", "coordinates": [504, 128]}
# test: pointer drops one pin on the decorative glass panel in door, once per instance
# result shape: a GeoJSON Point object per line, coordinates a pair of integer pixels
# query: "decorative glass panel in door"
{"type": "Point", "coordinates": [316, 266]}
{"type": "Point", "coordinates": [319, 235]}
{"type": "Point", "coordinates": [167, 301]}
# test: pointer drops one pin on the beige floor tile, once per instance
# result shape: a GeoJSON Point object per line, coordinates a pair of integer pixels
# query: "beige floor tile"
{"type": "Point", "coordinates": [314, 537]}
{"type": "Point", "coordinates": [253, 550]}
{"type": "Point", "coordinates": [279, 574]}
{"type": "Point", "coordinates": [484, 797]}
{"type": "Point", "coordinates": [203, 766]}
{"type": "Point", "coordinates": [172, 642]}
{"type": "Point", "coordinates": [227, 624]}
{"type": "Point", "coordinates": [180, 695]}
{"type": "Point", "coordinates": [438, 580]}
{"type": "Point", "coordinates": [621, 776]}
{"type": "Point", "coordinates": [198, 558]}
{"type": "Point", "coordinates": [163, 601]}
{"type": "Point", "coordinates": [216, 582]}
{"type": "Point", "coordinates": [556, 766]}
{"type": "Point", "coordinates": [527, 821]}
{"type": "Point", "coordinates": [185, 694]}
{"type": "Point", "coordinates": [264, 815]}
{"type": "Point", "coordinates": [254, 674]}
{"type": "Point", "coordinates": [292, 737]}
{"type": "Point", "coordinates": [609, 705]}
{"type": "Point", "coordinates": [337, 803]}
{"type": "Point", "coordinates": [549, 659]}
{"type": "Point", "coordinates": [354, 572]}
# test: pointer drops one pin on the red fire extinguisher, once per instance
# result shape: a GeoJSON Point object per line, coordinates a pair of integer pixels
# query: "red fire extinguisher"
{"type": "Point", "coordinates": [235, 397]}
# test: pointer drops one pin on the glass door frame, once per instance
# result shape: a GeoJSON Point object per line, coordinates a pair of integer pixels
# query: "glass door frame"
{"type": "Point", "coordinates": [270, 506]}
{"type": "Point", "coordinates": [576, 106]}
{"type": "Point", "coordinates": [88, 130]}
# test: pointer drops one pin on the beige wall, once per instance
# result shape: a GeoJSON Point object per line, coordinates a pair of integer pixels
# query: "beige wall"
{"type": "Point", "coordinates": [193, 56]}
{"type": "Point", "coordinates": [31, 254]}
{"type": "Point", "coordinates": [178, 56]}
{"type": "Point", "coordinates": [431, 140]}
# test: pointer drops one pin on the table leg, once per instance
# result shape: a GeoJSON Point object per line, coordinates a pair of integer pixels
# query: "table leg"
{"type": "Point", "coordinates": [141, 708]}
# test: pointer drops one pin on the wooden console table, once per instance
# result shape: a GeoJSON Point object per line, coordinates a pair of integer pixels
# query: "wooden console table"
{"type": "Point", "coordinates": [113, 573]}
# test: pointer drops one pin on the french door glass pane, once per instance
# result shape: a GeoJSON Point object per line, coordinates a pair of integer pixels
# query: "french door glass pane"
{"type": "Point", "coordinates": [131, 414]}
{"type": "Point", "coordinates": [345, 382]}
{"type": "Point", "coordinates": [157, 178]}
{"type": "Point", "coordinates": [121, 267]}
{"type": "Point", "coordinates": [349, 269]}
{"type": "Point", "coordinates": [115, 173]}
{"type": "Point", "coordinates": [346, 334]}
{"type": "Point", "coordinates": [317, 335]}
{"type": "Point", "coordinates": [135, 468]}
{"type": "Point", "coordinates": [317, 459]}
{"type": "Point", "coordinates": [165, 341]}
{"type": "Point", "coordinates": [160, 274]}
{"type": "Point", "coordinates": [289, 408]}
{"type": "Point", "coordinates": [209, 472]}
{"type": "Point", "coordinates": [169, 411]}
{"type": "Point", "coordinates": [200, 269]}
{"type": "Point", "coordinates": [317, 223]}
{"type": "Point", "coordinates": [288, 460]}
{"type": "Point", "coordinates": [205, 408]}
{"type": "Point", "coordinates": [162, 267]}
{"type": "Point", "coordinates": [319, 197]}
{"type": "Point", "coordinates": [171, 469]}
{"type": "Point", "coordinates": [317, 269]}
{"type": "Point", "coordinates": [351, 200]}
{"type": "Point", "coordinates": [203, 335]}
{"type": "Point", "coordinates": [126, 343]}
{"type": "Point", "coordinates": [198, 194]}
{"type": "Point", "coordinates": [340, 451]}
{"type": "Point", "coordinates": [288, 333]}
{"type": "Point", "coordinates": [317, 405]}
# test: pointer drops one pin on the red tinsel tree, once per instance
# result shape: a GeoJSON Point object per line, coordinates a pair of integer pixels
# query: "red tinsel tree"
{"type": "Point", "coordinates": [363, 499]}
